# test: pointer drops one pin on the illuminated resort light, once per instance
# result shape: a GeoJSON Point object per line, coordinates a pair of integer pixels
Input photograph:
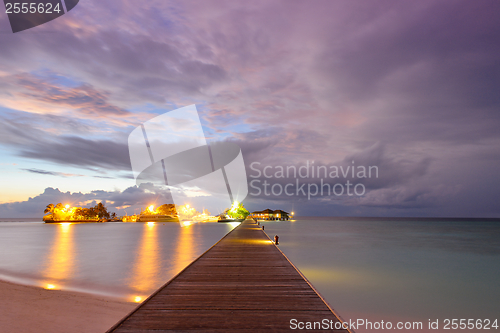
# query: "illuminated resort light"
{"type": "Point", "coordinates": [259, 241]}
{"type": "Point", "coordinates": [185, 223]}
{"type": "Point", "coordinates": [137, 299]}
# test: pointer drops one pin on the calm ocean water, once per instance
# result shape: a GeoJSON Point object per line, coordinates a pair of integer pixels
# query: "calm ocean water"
{"type": "Point", "coordinates": [123, 260]}
{"type": "Point", "coordinates": [399, 269]}
{"type": "Point", "coordinates": [374, 269]}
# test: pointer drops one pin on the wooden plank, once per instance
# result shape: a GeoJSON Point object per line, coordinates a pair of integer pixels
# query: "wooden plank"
{"type": "Point", "coordinates": [243, 283]}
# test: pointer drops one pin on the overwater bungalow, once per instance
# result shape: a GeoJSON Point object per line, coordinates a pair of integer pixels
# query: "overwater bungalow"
{"type": "Point", "coordinates": [270, 215]}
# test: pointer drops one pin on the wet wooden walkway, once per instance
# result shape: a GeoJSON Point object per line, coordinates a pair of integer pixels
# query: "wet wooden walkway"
{"type": "Point", "coordinates": [243, 283]}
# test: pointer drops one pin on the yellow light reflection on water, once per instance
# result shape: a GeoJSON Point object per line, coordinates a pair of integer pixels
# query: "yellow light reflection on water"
{"type": "Point", "coordinates": [185, 223]}
{"type": "Point", "coordinates": [59, 264]}
{"type": "Point", "coordinates": [185, 250]}
{"type": "Point", "coordinates": [147, 262]}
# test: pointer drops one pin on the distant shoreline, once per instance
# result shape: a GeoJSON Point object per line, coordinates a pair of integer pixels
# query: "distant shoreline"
{"type": "Point", "coordinates": [75, 221]}
{"type": "Point", "coordinates": [378, 218]}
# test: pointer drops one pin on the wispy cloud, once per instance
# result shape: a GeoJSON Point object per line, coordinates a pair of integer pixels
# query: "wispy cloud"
{"type": "Point", "coordinates": [84, 98]}
{"type": "Point", "coordinates": [52, 173]}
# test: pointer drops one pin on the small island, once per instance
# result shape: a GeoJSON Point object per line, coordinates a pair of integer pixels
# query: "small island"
{"type": "Point", "coordinates": [65, 213]}
{"type": "Point", "coordinates": [60, 213]}
{"type": "Point", "coordinates": [176, 213]}
{"type": "Point", "coordinates": [236, 213]}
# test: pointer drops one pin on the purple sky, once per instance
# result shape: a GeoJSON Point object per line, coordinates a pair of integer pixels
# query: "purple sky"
{"type": "Point", "coordinates": [409, 87]}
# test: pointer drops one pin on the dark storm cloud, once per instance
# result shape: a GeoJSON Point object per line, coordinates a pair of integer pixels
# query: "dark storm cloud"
{"type": "Point", "coordinates": [81, 152]}
{"type": "Point", "coordinates": [455, 41]}
{"type": "Point", "coordinates": [392, 171]}
{"type": "Point", "coordinates": [63, 124]}
{"type": "Point", "coordinates": [372, 167]}
{"type": "Point", "coordinates": [142, 66]}
{"type": "Point", "coordinates": [434, 64]}
{"type": "Point", "coordinates": [29, 137]}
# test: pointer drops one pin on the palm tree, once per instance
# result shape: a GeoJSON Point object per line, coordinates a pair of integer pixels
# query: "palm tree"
{"type": "Point", "coordinates": [49, 209]}
{"type": "Point", "coordinates": [101, 211]}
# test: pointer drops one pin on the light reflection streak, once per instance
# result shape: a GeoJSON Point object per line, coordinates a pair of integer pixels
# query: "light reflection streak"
{"type": "Point", "coordinates": [147, 263]}
{"type": "Point", "coordinates": [60, 262]}
{"type": "Point", "coordinates": [185, 223]}
{"type": "Point", "coordinates": [185, 250]}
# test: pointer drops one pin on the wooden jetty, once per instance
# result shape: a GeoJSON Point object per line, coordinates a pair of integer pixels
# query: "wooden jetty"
{"type": "Point", "coordinates": [243, 283]}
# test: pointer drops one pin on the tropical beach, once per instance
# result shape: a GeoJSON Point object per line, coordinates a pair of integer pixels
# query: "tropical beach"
{"type": "Point", "coordinates": [30, 309]}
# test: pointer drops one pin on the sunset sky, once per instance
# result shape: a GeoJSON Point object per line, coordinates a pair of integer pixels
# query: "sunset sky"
{"type": "Point", "coordinates": [410, 87]}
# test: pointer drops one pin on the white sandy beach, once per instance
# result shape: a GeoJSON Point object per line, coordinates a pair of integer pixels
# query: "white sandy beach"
{"type": "Point", "coordinates": [26, 309]}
